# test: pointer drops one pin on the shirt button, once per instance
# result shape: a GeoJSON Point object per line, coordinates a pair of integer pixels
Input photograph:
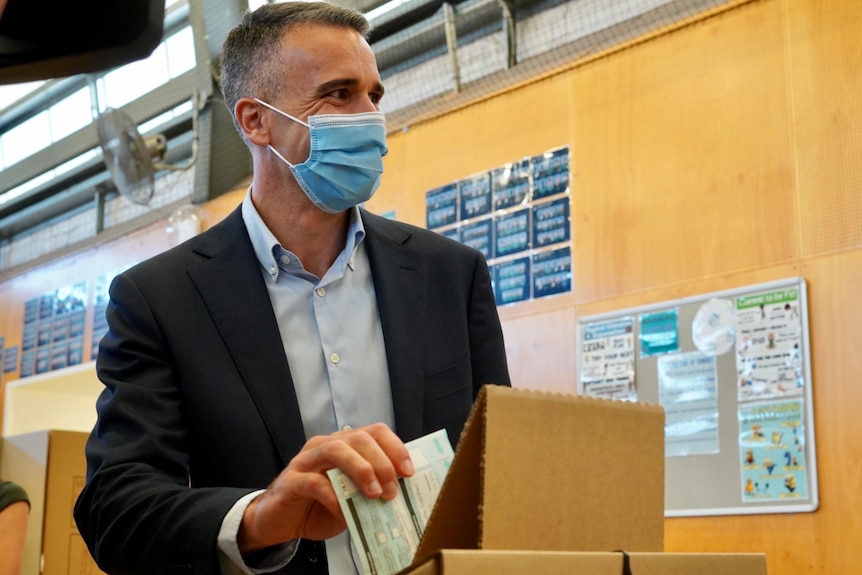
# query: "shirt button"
{"type": "Point", "coordinates": [320, 291]}
{"type": "Point", "coordinates": [346, 428]}
{"type": "Point", "coordinates": [334, 357]}
{"type": "Point", "coordinates": [272, 270]}
{"type": "Point", "coordinates": [285, 260]}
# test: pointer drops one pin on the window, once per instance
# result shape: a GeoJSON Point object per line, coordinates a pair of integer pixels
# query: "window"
{"type": "Point", "coordinates": [170, 59]}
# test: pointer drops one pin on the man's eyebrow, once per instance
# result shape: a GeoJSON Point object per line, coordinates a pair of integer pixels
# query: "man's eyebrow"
{"type": "Point", "coordinates": [340, 83]}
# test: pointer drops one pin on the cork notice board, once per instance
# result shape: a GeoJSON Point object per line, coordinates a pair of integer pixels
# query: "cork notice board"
{"type": "Point", "coordinates": [732, 371]}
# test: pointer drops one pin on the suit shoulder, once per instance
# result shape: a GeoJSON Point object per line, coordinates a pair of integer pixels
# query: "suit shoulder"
{"type": "Point", "coordinates": [196, 250]}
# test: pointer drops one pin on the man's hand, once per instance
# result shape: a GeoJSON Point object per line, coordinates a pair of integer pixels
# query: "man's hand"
{"type": "Point", "coordinates": [301, 502]}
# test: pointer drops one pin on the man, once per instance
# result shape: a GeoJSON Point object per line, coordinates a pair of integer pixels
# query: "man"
{"type": "Point", "coordinates": [298, 335]}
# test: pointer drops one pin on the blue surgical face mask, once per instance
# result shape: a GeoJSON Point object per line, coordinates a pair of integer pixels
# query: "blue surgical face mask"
{"type": "Point", "coordinates": [345, 161]}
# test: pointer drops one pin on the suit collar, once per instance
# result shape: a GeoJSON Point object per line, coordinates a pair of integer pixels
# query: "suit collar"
{"type": "Point", "coordinates": [231, 285]}
{"type": "Point", "coordinates": [401, 284]}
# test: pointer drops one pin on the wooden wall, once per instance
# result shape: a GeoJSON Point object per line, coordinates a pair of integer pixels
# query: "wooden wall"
{"type": "Point", "coordinates": [724, 153]}
{"type": "Point", "coordinates": [720, 154]}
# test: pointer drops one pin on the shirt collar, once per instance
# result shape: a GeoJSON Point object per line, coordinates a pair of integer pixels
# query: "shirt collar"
{"type": "Point", "coordinates": [266, 246]}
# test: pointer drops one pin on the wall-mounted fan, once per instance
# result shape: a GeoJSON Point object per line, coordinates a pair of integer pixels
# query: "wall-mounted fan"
{"type": "Point", "coordinates": [133, 160]}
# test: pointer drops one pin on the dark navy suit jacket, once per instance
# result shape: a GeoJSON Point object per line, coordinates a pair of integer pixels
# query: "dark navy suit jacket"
{"type": "Point", "coordinates": [198, 391]}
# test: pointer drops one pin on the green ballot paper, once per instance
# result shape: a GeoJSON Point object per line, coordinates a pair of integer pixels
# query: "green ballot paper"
{"type": "Point", "coordinates": [386, 533]}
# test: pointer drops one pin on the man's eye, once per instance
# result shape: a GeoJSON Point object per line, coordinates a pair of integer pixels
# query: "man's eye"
{"type": "Point", "coordinates": [340, 94]}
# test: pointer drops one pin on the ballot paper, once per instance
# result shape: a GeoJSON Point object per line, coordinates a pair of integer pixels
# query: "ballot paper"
{"type": "Point", "coordinates": [386, 533]}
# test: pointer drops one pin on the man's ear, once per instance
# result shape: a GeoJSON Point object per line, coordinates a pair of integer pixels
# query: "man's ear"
{"type": "Point", "coordinates": [251, 122]}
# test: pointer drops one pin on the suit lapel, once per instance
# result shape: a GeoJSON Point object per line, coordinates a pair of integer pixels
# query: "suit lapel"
{"type": "Point", "coordinates": [231, 285]}
{"type": "Point", "coordinates": [400, 282]}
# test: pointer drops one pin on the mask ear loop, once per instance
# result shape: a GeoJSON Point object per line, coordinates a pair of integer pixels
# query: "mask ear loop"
{"type": "Point", "coordinates": [277, 111]}
{"type": "Point", "coordinates": [286, 115]}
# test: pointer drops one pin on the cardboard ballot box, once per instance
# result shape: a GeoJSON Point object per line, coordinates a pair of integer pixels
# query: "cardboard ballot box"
{"type": "Point", "coordinates": [51, 467]}
{"type": "Point", "coordinates": [552, 483]}
{"type": "Point", "coordinates": [548, 471]}
{"type": "Point", "coordinates": [462, 562]}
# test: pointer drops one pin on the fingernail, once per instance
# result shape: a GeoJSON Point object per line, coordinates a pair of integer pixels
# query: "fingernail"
{"type": "Point", "coordinates": [374, 489]}
{"type": "Point", "coordinates": [407, 466]}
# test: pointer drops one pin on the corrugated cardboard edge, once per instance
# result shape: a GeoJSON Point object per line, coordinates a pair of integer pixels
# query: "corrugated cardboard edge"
{"type": "Point", "coordinates": [460, 562]}
{"type": "Point", "coordinates": [454, 521]}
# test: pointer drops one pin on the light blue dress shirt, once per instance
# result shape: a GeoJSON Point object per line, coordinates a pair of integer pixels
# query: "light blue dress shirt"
{"type": "Point", "coordinates": [330, 328]}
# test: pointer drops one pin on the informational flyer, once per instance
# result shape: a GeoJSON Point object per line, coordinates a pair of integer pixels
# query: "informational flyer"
{"type": "Point", "coordinates": [659, 332]}
{"type": "Point", "coordinates": [512, 281]}
{"type": "Point", "coordinates": [475, 195]}
{"type": "Point", "coordinates": [10, 359]}
{"type": "Point", "coordinates": [772, 446]}
{"type": "Point", "coordinates": [510, 184]}
{"type": "Point", "coordinates": [441, 206]}
{"type": "Point", "coordinates": [479, 235]}
{"type": "Point", "coordinates": [452, 233]}
{"type": "Point", "coordinates": [386, 534]}
{"type": "Point", "coordinates": [552, 272]}
{"type": "Point", "coordinates": [688, 391]}
{"type": "Point", "coordinates": [28, 363]}
{"type": "Point", "coordinates": [550, 173]}
{"type": "Point", "coordinates": [551, 223]}
{"type": "Point", "coordinates": [512, 232]}
{"type": "Point", "coordinates": [607, 359]}
{"type": "Point", "coordinates": [769, 346]}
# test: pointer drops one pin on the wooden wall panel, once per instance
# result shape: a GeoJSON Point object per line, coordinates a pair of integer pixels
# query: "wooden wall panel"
{"type": "Point", "coordinates": [545, 363]}
{"type": "Point", "coordinates": [683, 157]}
{"type": "Point", "coordinates": [826, 57]}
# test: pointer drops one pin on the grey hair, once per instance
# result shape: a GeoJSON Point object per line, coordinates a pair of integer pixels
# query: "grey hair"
{"type": "Point", "coordinates": [251, 61]}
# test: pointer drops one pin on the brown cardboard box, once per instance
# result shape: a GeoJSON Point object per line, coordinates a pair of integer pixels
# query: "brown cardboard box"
{"type": "Point", "coordinates": [461, 562]}
{"type": "Point", "coordinates": [50, 465]}
{"type": "Point", "coordinates": [555, 484]}
{"type": "Point", "coordinates": [548, 471]}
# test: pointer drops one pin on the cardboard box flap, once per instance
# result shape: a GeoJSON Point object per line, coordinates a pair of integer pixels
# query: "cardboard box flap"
{"type": "Point", "coordinates": [454, 521]}
{"type": "Point", "coordinates": [548, 471]}
{"type": "Point", "coordinates": [462, 562]}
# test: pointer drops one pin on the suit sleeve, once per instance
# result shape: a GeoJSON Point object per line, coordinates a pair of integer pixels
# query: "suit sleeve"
{"type": "Point", "coordinates": [137, 512]}
{"type": "Point", "coordinates": [487, 349]}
